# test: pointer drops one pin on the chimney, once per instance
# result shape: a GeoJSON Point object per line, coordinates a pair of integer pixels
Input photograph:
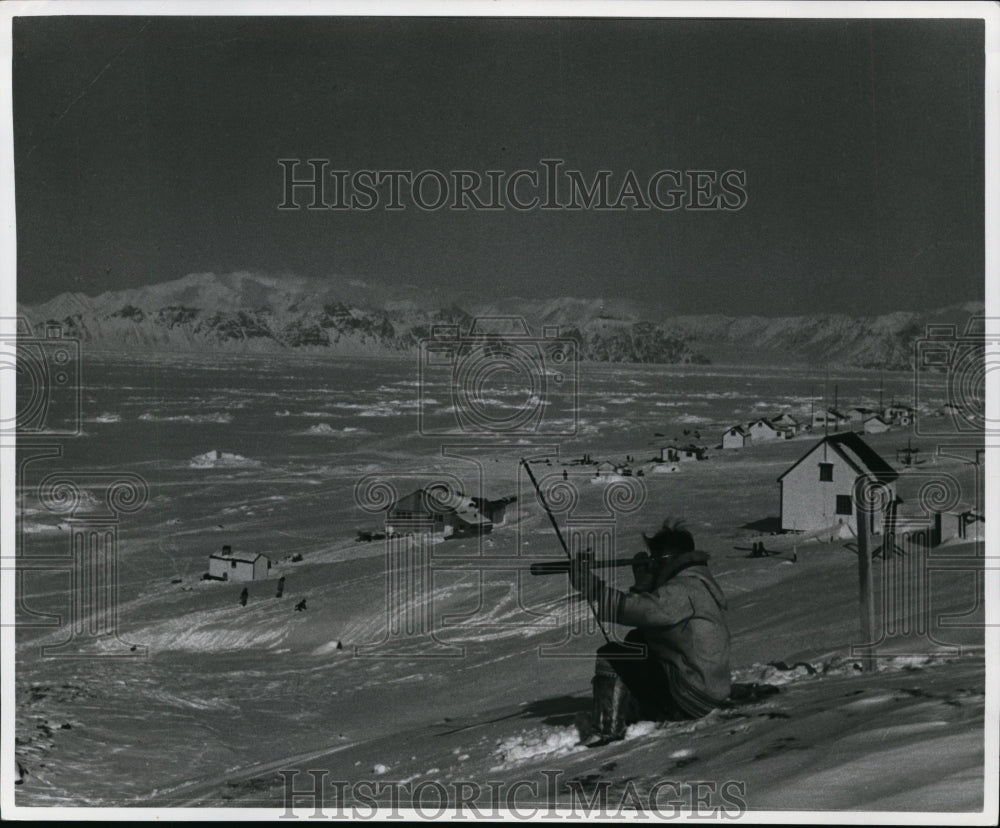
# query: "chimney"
{"type": "Point", "coordinates": [227, 549]}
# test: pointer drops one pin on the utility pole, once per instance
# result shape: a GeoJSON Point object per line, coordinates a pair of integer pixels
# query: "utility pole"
{"type": "Point", "coordinates": [865, 591]}
{"type": "Point", "coordinates": [826, 405]}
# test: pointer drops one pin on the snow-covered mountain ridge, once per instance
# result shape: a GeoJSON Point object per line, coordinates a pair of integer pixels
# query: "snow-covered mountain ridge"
{"type": "Point", "coordinates": [261, 313]}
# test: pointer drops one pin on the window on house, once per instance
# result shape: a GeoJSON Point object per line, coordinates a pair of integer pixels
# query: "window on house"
{"type": "Point", "coordinates": [232, 564]}
{"type": "Point", "coordinates": [826, 472]}
{"type": "Point", "coordinates": [844, 506]}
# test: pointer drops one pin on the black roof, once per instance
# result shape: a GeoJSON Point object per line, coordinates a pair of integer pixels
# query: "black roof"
{"type": "Point", "coordinates": [241, 557]}
{"type": "Point", "coordinates": [870, 458]}
{"type": "Point", "coordinates": [426, 502]}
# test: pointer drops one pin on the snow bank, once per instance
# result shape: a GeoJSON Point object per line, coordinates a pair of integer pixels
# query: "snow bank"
{"type": "Point", "coordinates": [105, 417]}
{"type": "Point", "coordinates": [221, 459]}
{"type": "Point", "coordinates": [694, 419]}
{"type": "Point", "coordinates": [333, 646]}
{"type": "Point", "coordinates": [327, 430]}
{"type": "Point", "coordinates": [662, 468]}
{"type": "Point", "coordinates": [219, 417]}
{"type": "Point", "coordinates": [780, 673]}
{"type": "Point", "coordinates": [639, 729]}
{"type": "Point", "coordinates": [609, 478]}
{"type": "Point", "coordinates": [547, 742]}
{"type": "Point", "coordinates": [36, 528]}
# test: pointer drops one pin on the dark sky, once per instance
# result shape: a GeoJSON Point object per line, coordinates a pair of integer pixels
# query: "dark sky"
{"type": "Point", "coordinates": [146, 149]}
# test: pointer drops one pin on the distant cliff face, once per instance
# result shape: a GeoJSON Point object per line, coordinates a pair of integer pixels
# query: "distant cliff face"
{"type": "Point", "coordinates": [244, 312]}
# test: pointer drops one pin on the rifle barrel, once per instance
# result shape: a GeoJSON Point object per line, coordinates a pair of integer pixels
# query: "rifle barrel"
{"type": "Point", "coordinates": [559, 566]}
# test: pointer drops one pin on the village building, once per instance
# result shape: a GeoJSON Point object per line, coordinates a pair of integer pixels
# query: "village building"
{"type": "Point", "coordinates": [735, 437]}
{"type": "Point", "coordinates": [237, 566]}
{"type": "Point", "coordinates": [817, 491]}
{"type": "Point", "coordinates": [786, 424]}
{"type": "Point", "coordinates": [876, 425]}
{"type": "Point", "coordinates": [450, 513]}
{"type": "Point", "coordinates": [953, 411]}
{"type": "Point", "coordinates": [898, 415]}
{"type": "Point", "coordinates": [761, 431]}
{"type": "Point", "coordinates": [495, 511]}
{"type": "Point", "coordinates": [963, 525]}
{"type": "Point", "coordinates": [829, 418]}
{"type": "Point", "coordinates": [680, 454]}
{"type": "Point", "coordinates": [859, 414]}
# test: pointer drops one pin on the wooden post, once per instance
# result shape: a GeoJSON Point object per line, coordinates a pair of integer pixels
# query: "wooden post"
{"type": "Point", "coordinates": [865, 591]}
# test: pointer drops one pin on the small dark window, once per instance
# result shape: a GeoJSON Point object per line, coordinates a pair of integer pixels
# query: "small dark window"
{"type": "Point", "coordinates": [232, 564]}
{"type": "Point", "coordinates": [826, 472]}
{"type": "Point", "coordinates": [844, 506]}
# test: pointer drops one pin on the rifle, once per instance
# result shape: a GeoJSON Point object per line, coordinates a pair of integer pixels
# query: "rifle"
{"type": "Point", "coordinates": [557, 567]}
{"type": "Point", "coordinates": [569, 557]}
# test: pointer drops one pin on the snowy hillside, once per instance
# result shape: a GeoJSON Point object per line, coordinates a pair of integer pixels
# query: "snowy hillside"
{"type": "Point", "coordinates": [267, 455]}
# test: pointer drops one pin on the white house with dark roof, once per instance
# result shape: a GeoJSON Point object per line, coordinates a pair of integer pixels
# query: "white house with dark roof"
{"type": "Point", "coordinates": [859, 414]}
{"type": "Point", "coordinates": [735, 437]}
{"type": "Point", "coordinates": [761, 431]}
{"type": "Point", "coordinates": [785, 422]}
{"type": "Point", "coordinates": [237, 566]}
{"type": "Point", "coordinates": [817, 491]}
